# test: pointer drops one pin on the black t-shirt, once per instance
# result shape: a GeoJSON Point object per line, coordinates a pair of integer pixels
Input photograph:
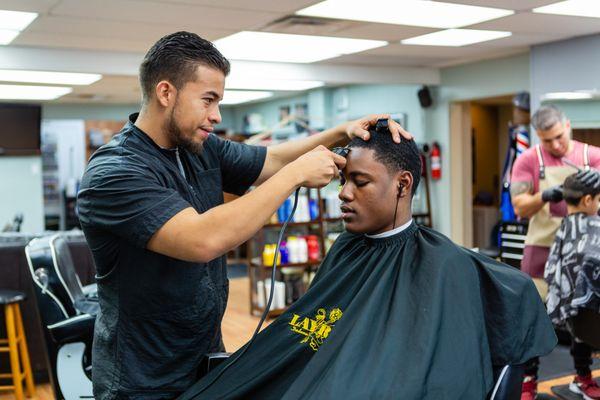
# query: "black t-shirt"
{"type": "Point", "coordinates": [159, 315]}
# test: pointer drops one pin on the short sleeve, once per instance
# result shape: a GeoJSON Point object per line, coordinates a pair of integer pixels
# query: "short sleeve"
{"type": "Point", "coordinates": [127, 201]}
{"type": "Point", "coordinates": [523, 169]}
{"type": "Point", "coordinates": [594, 153]}
{"type": "Point", "coordinates": [240, 164]}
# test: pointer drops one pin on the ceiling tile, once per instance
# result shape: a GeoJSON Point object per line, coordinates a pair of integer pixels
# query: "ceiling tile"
{"type": "Point", "coordinates": [387, 32]}
{"type": "Point", "coordinates": [174, 14]}
{"type": "Point", "coordinates": [284, 6]}
{"type": "Point", "coordinates": [543, 23]}
{"type": "Point", "coordinates": [68, 41]}
{"type": "Point", "coordinates": [38, 6]}
{"type": "Point", "coordinates": [507, 4]}
{"type": "Point", "coordinates": [90, 27]}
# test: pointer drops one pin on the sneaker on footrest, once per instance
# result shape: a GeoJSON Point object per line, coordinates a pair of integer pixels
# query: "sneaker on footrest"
{"type": "Point", "coordinates": [529, 388]}
{"type": "Point", "coordinates": [586, 387]}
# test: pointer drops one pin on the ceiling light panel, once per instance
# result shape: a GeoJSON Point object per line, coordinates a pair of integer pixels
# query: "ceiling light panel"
{"type": "Point", "coordinates": [579, 8]}
{"type": "Point", "coordinates": [15, 20]}
{"type": "Point", "coordinates": [56, 78]}
{"type": "Point", "coordinates": [241, 96]}
{"type": "Point", "coordinates": [567, 96]}
{"type": "Point", "coordinates": [432, 14]}
{"type": "Point", "coordinates": [279, 47]}
{"type": "Point", "coordinates": [456, 37]}
{"type": "Point", "coordinates": [23, 92]}
{"type": "Point", "coordinates": [7, 36]}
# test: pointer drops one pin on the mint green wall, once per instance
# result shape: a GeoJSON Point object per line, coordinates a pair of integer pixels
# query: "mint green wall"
{"type": "Point", "coordinates": [268, 109]}
{"type": "Point", "coordinates": [110, 112]}
{"type": "Point", "coordinates": [324, 105]}
{"type": "Point", "coordinates": [467, 82]}
{"type": "Point", "coordinates": [21, 179]}
{"type": "Point", "coordinates": [583, 114]}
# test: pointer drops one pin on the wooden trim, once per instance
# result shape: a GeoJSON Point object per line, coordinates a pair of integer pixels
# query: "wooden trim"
{"type": "Point", "coordinates": [461, 171]}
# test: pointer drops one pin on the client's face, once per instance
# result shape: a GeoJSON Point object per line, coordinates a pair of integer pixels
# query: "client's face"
{"type": "Point", "coordinates": [368, 194]}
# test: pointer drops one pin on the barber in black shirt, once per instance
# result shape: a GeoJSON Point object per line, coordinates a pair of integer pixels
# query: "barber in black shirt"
{"type": "Point", "coordinates": [151, 206]}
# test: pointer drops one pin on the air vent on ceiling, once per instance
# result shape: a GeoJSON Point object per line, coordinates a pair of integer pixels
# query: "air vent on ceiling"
{"type": "Point", "coordinates": [297, 24]}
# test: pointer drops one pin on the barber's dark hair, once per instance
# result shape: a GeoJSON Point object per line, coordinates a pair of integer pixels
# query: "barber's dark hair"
{"type": "Point", "coordinates": [175, 58]}
{"type": "Point", "coordinates": [574, 190]}
{"type": "Point", "coordinates": [403, 156]}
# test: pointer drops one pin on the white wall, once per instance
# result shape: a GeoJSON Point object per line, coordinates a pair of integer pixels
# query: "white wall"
{"type": "Point", "coordinates": [21, 192]}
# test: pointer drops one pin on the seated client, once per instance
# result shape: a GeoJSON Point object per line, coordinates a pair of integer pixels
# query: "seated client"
{"type": "Point", "coordinates": [396, 310]}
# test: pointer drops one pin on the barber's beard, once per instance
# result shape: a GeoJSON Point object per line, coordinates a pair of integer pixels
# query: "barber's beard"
{"type": "Point", "coordinates": [176, 135]}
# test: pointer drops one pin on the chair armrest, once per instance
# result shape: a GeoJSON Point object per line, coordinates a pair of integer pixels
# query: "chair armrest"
{"type": "Point", "coordinates": [75, 329]}
{"type": "Point", "coordinates": [210, 361]}
{"type": "Point", "coordinates": [508, 380]}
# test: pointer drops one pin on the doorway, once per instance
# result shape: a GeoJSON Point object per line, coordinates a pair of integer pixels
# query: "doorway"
{"type": "Point", "coordinates": [479, 139]}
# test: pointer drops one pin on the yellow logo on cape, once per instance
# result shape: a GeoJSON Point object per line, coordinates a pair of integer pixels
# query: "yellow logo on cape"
{"type": "Point", "coordinates": [316, 330]}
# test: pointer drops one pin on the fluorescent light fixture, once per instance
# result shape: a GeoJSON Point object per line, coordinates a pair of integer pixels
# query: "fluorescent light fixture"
{"type": "Point", "coordinates": [456, 37]}
{"type": "Point", "coordinates": [579, 8]}
{"type": "Point", "coordinates": [568, 96]}
{"type": "Point", "coordinates": [7, 36]}
{"type": "Point", "coordinates": [283, 47]}
{"type": "Point", "coordinates": [15, 20]}
{"type": "Point", "coordinates": [12, 23]}
{"type": "Point", "coordinates": [57, 78]}
{"type": "Point", "coordinates": [238, 82]}
{"type": "Point", "coordinates": [240, 96]}
{"type": "Point", "coordinates": [432, 14]}
{"type": "Point", "coordinates": [22, 92]}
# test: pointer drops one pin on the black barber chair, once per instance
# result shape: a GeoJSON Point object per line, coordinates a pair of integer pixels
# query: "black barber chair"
{"type": "Point", "coordinates": [66, 314]}
{"type": "Point", "coordinates": [508, 383]}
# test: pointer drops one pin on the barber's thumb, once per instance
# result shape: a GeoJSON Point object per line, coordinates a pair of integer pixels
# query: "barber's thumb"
{"type": "Point", "coordinates": [339, 160]}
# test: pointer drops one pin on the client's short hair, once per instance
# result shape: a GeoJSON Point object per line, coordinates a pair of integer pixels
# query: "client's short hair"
{"type": "Point", "coordinates": [574, 190]}
{"type": "Point", "coordinates": [403, 156]}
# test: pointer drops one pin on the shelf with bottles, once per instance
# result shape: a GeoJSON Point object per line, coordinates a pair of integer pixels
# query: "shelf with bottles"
{"type": "Point", "coordinates": [256, 262]}
{"type": "Point", "coordinates": [301, 252]}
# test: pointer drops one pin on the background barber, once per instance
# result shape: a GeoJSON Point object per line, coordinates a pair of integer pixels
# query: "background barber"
{"type": "Point", "coordinates": [151, 208]}
{"type": "Point", "coordinates": [536, 194]}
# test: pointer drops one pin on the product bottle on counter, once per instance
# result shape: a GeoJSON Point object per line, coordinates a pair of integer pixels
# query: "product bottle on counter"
{"type": "Point", "coordinates": [313, 248]}
{"type": "Point", "coordinates": [283, 253]}
{"type": "Point", "coordinates": [303, 249]}
{"type": "Point", "coordinates": [281, 213]}
{"type": "Point", "coordinates": [292, 248]}
{"type": "Point", "coordinates": [269, 255]}
{"type": "Point", "coordinates": [313, 208]}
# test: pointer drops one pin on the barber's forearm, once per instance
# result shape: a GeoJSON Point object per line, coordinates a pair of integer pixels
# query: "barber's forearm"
{"type": "Point", "coordinates": [233, 223]}
{"type": "Point", "coordinates": [279, 155]}
{"type": "Point", "coordinates": [527, 205]}
{"type": "Point", "coordinates": [287, 152]}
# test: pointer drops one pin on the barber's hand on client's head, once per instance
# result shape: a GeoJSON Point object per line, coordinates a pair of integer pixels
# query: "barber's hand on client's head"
{"type": "Point", "coordinates": [317, 167]}
{"type": "Point", "coordinates": [360, 127]}
{"type": "Point", "coordinates": [553, 194]}
{"type": "Point", "coordinates": [589, 178]}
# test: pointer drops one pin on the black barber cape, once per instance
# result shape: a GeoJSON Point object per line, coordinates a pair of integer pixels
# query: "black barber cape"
{"type": "Point", "coordinates": [410, 316]}
{"type": "Point", "coordinates": [158, 315]}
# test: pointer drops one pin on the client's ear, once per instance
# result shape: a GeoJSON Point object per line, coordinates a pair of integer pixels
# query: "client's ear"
{"type": "Point", "coordinates": [404, 181]}
{"type": "Point", "coordinates": [586, 200]}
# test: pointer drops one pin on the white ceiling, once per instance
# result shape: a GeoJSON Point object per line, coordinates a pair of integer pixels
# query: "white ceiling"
{"type": "Point", "coordinates": [130, 27]}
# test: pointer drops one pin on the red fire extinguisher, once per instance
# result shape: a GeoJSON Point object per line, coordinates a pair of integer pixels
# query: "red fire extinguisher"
{"type": "Point", "coordinates": [436, 161]}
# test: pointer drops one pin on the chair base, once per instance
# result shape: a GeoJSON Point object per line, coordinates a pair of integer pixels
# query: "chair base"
{"type": "Point", "coordinates": [73, 382]}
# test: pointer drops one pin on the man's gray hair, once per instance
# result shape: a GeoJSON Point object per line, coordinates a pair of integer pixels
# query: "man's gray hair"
{"type": "Point", "coordinates": [546, 117]}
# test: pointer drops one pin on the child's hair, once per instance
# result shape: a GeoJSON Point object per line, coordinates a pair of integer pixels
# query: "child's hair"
{"type": "Point", "coordinates": [574, 190]}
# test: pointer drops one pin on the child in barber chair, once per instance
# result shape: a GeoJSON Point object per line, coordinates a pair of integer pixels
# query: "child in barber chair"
{"type": "Point", "coordinates": [573, 272]}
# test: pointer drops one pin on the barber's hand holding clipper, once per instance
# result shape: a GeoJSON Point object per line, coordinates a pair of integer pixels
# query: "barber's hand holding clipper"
{"type": "Point", "coordinates": [316, 168]}
{"type": "Point", "coordinates": [553, 194]}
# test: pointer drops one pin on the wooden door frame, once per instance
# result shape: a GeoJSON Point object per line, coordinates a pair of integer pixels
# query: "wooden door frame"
{"type": "Point", "coordinates": [461, 173]}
